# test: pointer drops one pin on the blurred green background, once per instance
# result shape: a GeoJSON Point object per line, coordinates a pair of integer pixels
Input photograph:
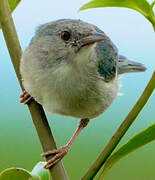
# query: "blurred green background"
{"type": "Point", "coordinates": [19, 144]}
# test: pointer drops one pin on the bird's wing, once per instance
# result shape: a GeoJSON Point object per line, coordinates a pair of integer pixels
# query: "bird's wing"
{"type": "Point", "coordinates": [127, 66]}
{"type": "Point", "coordinates": [107, 58]}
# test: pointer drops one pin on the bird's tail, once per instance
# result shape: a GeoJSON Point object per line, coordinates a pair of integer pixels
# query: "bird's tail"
{"type": "Point", "coordinates": [127, 66]}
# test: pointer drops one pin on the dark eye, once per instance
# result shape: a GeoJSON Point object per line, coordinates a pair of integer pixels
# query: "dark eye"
{"type": "Point", "coordinates": [65, 35]}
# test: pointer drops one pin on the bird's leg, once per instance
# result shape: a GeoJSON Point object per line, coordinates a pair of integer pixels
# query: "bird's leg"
{"type": "Point", "coordinates": [62, 151]}
{"type": "Point", "coordinates": [26, 98]}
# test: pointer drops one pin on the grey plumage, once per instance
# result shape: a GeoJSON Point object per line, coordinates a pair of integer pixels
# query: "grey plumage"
{"type": "Point", "coordinates": [72, 68]}
{"type": "Point", "coordinates": [76, 77]}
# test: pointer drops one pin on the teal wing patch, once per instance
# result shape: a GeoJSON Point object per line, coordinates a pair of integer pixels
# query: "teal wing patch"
{"type": "Point", "coordinates": [107, 58]}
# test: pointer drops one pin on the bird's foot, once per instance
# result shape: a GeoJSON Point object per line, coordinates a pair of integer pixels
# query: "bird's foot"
{"type": "Point", "coordinates": [58, 155]}
{"type": "Point", "coordinates": [26, 98]}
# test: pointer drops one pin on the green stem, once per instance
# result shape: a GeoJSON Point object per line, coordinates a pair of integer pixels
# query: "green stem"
{"type": "Point", "coordinates": [152, 4]}
{"type": "Point", "coordinates": [36, 110]}
{"type": "Point", "coordinates": [91, 173]}
{"type": "Point", "coordinates": [128, 120]}
{"type": "Point", "coordinates": [151, 16]}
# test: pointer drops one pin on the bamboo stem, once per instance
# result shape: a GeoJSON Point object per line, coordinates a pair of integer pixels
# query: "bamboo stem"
{"type": "Point", "coordinates": [36, 110]}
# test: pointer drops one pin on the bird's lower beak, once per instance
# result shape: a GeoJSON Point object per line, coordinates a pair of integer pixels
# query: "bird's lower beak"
{"type": "Point", "coordinates": [92, 38]}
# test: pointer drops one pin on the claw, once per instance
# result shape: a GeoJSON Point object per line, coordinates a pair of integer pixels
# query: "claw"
{"type": "Point", "coordinates": [52, 152]}
{"type": "Point", "coordinates": [23, 94]}
{"type": "Point", "coordinates": [58, 155]}
{"type": "Point", "coordinates": [26, 98]}
{"type": "Point", "coordinates": [49, 163]}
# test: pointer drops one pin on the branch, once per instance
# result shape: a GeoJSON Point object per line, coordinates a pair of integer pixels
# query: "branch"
{"type": "Point", "coordinates": [121, 130]}
{"type": "Point", "coordinates": [36, 110]}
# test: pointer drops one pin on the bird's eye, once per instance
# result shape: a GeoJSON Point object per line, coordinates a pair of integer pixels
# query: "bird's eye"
{"type": "Point", "coordinates": [65, 35]}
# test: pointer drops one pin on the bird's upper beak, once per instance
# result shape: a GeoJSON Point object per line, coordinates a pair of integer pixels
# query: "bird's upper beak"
{"type": "Point", "coordinates": [92, 38]}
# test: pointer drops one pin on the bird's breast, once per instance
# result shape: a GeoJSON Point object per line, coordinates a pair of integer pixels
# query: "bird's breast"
{"type": "Point", "coordinates": [70, 89]}
{"type": "Point", "coordinates": [79, 96]}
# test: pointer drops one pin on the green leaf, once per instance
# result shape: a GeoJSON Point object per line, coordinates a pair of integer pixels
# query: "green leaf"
{"type": "Point", "coordinates": [141, 6]}
{"type": "Point", "coordinates": [139, 140]}
{"type": "Point", "coordinates": [15, 174]}
{"type": "Point", "coordinates": [40, 173]}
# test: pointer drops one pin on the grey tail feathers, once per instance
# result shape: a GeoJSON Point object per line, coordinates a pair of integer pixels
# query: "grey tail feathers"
{"type": "Point", "coordinates": [127, 66]}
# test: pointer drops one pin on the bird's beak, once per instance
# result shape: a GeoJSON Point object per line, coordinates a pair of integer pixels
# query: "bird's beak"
{"type": "Point", "coordinates": [92, 38]}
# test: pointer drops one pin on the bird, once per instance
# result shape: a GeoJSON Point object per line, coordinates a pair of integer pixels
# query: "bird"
{"type": "Point", "coordinates": [72, 68]}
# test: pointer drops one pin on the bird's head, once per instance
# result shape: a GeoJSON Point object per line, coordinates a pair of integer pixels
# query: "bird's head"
{"type": "Point", "coordinates": [66, 40]}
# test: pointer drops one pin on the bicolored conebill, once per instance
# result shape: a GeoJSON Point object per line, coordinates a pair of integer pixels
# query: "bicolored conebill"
{"type": "Point", "coordinates": [72, 68]}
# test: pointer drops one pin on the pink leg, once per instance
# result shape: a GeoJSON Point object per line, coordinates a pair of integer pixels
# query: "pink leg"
{"type": "Point", "coordinates": [26, 98]}
{"type": "Point", "coordinates": [62, 151]}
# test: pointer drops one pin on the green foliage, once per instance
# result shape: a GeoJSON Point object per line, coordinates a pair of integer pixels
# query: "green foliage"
{"type": "Point", "coordinates": [141, 6]}
{"type": "Point", "coordinates": [38, 173]}
{"type": "Point", "coordinates": [15, 174]}
{"type": "Point", "coordinates": [139, 140]}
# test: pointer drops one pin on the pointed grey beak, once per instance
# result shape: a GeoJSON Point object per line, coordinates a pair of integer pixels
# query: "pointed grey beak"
{"type": "Point", "coordinates": [92, 38]}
